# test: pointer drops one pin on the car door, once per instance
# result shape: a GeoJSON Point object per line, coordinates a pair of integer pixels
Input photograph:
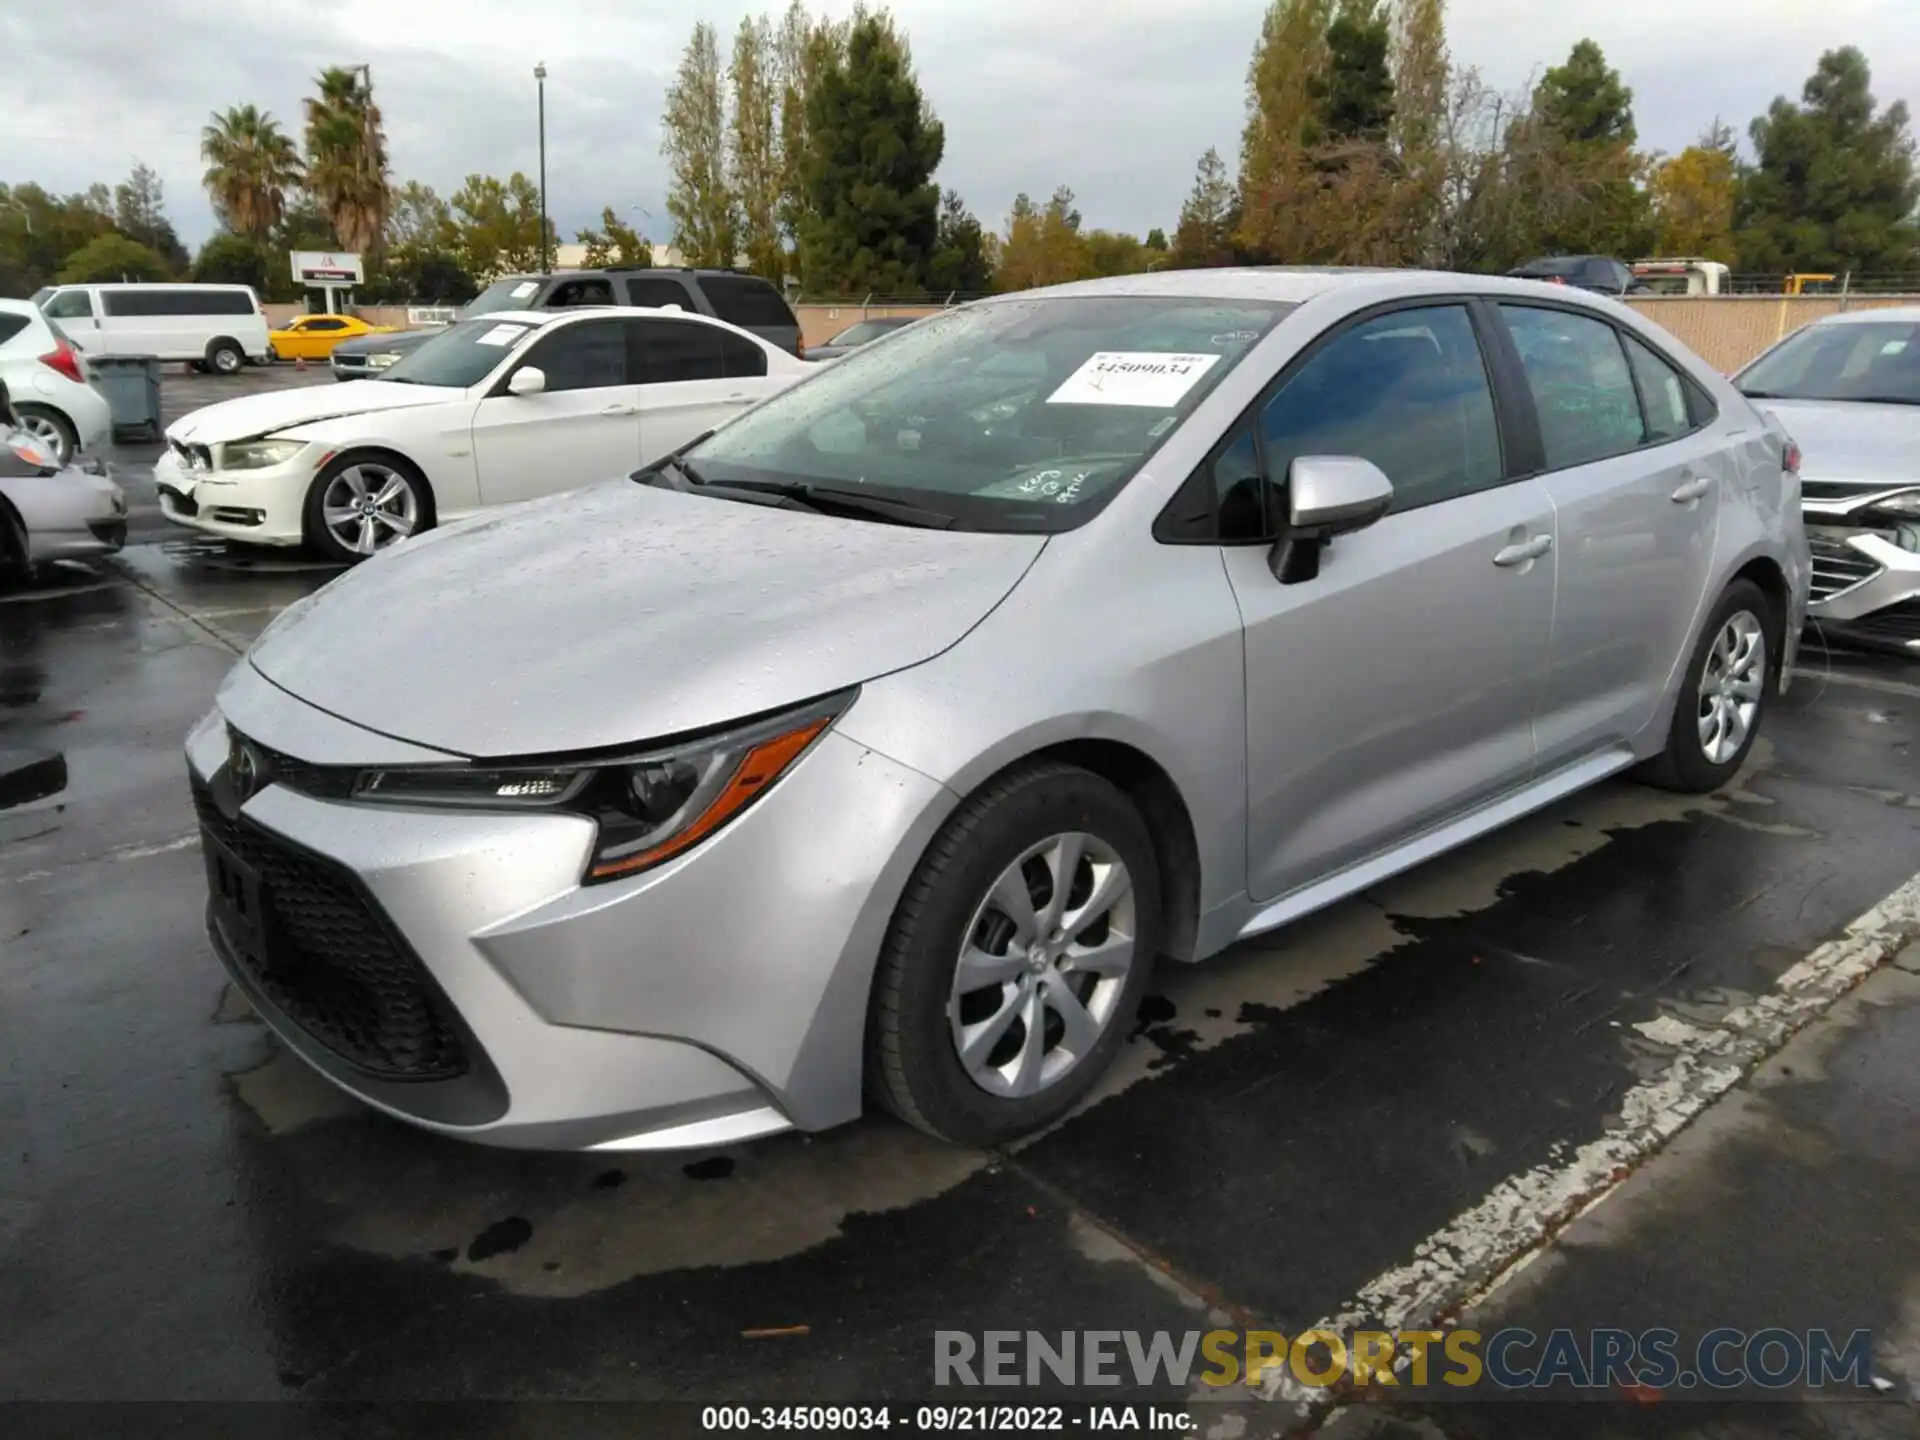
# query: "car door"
{"type": "Point", "coordinates": [693, 376]}
{"type": "Point", "coordinates": [1636, 485]}
{"type": "Point", "coordinates": [319, 334]}
{"type": "Point", "coordinates": [78, 315]}
{"type": "Point", "coordinates": [582, 427]}
{"type": "Point", "coordinates": [1396, 688]}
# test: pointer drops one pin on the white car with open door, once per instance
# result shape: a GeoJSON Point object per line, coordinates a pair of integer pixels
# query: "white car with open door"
{"type": "Point", "coordinates": [491, 411]}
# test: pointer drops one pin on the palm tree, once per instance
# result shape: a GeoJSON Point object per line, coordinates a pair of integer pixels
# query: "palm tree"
{"type": "Point", "coordinates": [251, 165]}
{"type": "Point", "coordinates": [347, 157]}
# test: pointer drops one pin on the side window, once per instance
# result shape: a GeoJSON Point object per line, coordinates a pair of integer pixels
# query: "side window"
{"type": "Point", "coordinates": [657, 292]}
{"type": "Point", "coordinates": [580, 292]}
{"type": "Point", "coordinates": [590, 356]}
{"type": "Point", "coordinates": [10, 326]}
{"type": "Point", "coordinates": [746, 301]}
{"type": "Point", "coordinates": [326, 324]}
{"type": "Point", "coordinates": [740, 356]}
{"type": "Point", "coordinates": [1407, 390]}
{"type": "Point", "coordinates": [1662, 394]}
{"type": "Point", "coordinates": [665, 351]}
{"type": "Point", "coordinates": [1238, 498]}
{"type": "Point", "coordinates": [69, 305]}
{"type": "Point", "coordinates": [1581, 387]}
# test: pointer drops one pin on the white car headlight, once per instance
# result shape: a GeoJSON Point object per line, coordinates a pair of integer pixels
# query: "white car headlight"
{"type": "Point", "coordinates": [381, 362]}
{"type": "Point", "coordinates": [259, 454]}
{"type": "Point", "coordinates": [1906, 503]}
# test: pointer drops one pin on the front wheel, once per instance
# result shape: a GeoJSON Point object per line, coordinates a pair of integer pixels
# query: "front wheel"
{"type": "Point", "coordinates": [226, 357]}
{"type": "Point", "coordinates": [1017, 958]}
{"type": "Point", "coordinates": [50, 428]}
{"type": "Point", "coordinates": [1724, 694]}
{"type": "Point", "coordinates": [362, 504]}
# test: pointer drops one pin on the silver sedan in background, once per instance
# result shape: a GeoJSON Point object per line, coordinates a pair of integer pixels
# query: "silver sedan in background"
{"type": "Point", "coordinates": [1848, 390]}
{"type": "Point", "coordinates": [864, 332]}
{"type": "Point", "coordinates": [877, 745]}
{"type": "Point", "coordinates": [49, 509]}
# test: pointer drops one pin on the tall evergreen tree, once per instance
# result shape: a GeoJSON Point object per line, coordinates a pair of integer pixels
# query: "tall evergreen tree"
{"type": "Point", "coordinates": [1353, 96]}
{"type": "Point", "coordinates": [1833, 188]}
{"type": "Point", "coordinates": [140, 213]}
{"type": "Point", "coordinates": [873, 145]}
{"type": "Point", "coordinates": [960, 264]}
{"type": "Point", "coordinates": [1583, 114]}
{"type": "Point", "coordinates": [754, 154]}
{"type": "Point", "coordinates": [693, 126]}
{"type": "Point", "coordinates": [1204, 235]}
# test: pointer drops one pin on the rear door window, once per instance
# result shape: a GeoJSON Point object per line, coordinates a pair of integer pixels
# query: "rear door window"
{"type": "Point", "coordinates": [664, 352]}
{"type": "Point", "coordinates": [654, 292]}
{"type": "Point", "coordinates": [1582, 390]}
{"type": "Point", "coordinates": [1663, 394]}
{"type": "Point", "coordinates": [580, 292]}
{"type": "Point", "coordinates": [746, 301]}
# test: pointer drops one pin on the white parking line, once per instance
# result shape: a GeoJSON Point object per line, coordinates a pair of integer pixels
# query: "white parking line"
{"type": "Point", "coordinates": [1481, 1248]}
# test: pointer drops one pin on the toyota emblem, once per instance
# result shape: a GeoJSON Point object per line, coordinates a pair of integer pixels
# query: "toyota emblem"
{"type": "Point", "coordinates": [243, 769]}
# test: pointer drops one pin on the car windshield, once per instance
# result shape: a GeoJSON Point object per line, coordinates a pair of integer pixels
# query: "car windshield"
{"type": "Point", "coordinates": [1863, 360]}
{"type": "Point", "coordinates": [513, 293]}
{"type": "Point", "coordinates": [40, 295]}
{"type": "Point", "coordinates": [1549, 267]}
{"type": "Point", "coordinates": [463, 354]}
{"type": "Point", "coordinates": [863, 332]}
{"type": "Point", "coordinates": [1021, 414]}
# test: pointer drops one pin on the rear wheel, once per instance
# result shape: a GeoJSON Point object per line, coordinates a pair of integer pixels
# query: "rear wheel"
{"type": "Point", "coordinates": [225, 357]}
{"type": "Point", "coordinates": [361, 504]}
{"type": "Point", "coordinates": [1017, 957]}
{"type": "Point", "coordinates": [50, 428]}
{"type": "Point", "coordinates": [1724, 695]}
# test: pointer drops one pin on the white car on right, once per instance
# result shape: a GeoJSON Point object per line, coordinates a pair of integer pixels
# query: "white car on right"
{"type": "Point", "coordinates": [497, 409]}
{"type": "Point", "coordinates": [1847, 389]}
{"type": "Point", "coordinates": [46, 377]}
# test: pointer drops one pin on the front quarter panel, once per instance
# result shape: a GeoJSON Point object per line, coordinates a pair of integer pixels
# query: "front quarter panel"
{"type": "Point", "coordinates": [437, 438]}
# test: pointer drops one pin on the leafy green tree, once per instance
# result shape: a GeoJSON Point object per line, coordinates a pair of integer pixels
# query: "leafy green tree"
{"type": "Point", "coordinates": [1044, 245]}
{"type": "Point", "coordinates": [140, 213]}
{"type": "Point", "coordinates": [38, 231]}
{"type": "Point", "coordinates": [1208, 218]}
{"type": "Point", "coordinates": [1288, 60]}
{"type": "Point", "coordinates": [230, 259]}
{"type": "Point", "coordinates": [430, 279]}
{"type": "Point", "coordinates": [873, 207]}
{"type": "Point", "coordinates": [1584, 112]}
{"type": "Point", "coordinates": [753, 153]}
{"type": "Point", "coordinates": [615, 243]}
{"type": "Point", "coordinates": [499, 225]}
{"type": "Point", "coordinates": [346, 167]}
{"type": "Point", "coordinates": [1833, 189]}
{"type": "Point", "coordinates": [960, 262]}
{"type": "Point", "coordinates": [1353, 95]}
{"type": "Point", "coordinates": [1114, 252]}
{"type": "Point", "coordinates": [693, 137]}
{"type": "Point", "coordinates": [1693, 195]}
{"type": "Point", "coordinates": [112, 257]}
{"type": "Point", "coordinates": [252, 167]}
{"type": "Point", "coordinates": [803, 48]}
{"type": "Point", "coordinates": [1156, 239]}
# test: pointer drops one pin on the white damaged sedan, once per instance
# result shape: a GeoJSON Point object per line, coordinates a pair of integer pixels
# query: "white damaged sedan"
{"type": "Point", "coordinates": [489, 412]}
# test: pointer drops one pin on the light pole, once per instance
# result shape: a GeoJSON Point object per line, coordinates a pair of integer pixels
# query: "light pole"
{"type": "Point", "coordinates": [540, 78]}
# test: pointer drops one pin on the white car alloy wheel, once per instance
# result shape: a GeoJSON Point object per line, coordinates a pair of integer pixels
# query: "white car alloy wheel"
{"type": "Point", "coordinates": [1731, 687]}
{"type": "Point", "coordinates": [368, 506]}
{"type": "Point", "coordinates": [48, 429]}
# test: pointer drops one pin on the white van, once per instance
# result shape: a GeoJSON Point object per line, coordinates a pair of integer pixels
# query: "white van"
{"type": "Point", "coordinates": [1687, 276]}
{"type": "Point", "coordinates": [216, 327]}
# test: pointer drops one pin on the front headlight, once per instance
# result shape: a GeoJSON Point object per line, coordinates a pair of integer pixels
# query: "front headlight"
{"type": "Point", "coordinates": [381, 362]}
{"type": "Point", "coordinates": [259, 454]}
{"type": "Point", "coordinates": [649, 806]}
{"type": "Point", "coordinates": [1905, 503]}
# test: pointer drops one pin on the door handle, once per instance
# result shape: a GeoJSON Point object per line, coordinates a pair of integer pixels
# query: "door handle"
{"type": "Point", "coordinates": [1692, 490]}
{"type": "Point", "coordinates": [1512, 555]}
{"type": "Point", "coordinates": [618, 410]}
{"type": "Point", "coordinates": [740, 395]}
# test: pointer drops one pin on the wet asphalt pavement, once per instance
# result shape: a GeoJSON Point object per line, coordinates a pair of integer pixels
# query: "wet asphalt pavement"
{"type": "Point", "coordinates": [187, 1213]}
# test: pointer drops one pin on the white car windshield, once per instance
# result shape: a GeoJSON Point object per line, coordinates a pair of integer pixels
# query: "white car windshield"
{"type": "Point", "coordinates": [1876, 360]}
{"type": "Point", "coordinates": [1019, 414]}
{"type": "Point", "coordinates": [464, 353]}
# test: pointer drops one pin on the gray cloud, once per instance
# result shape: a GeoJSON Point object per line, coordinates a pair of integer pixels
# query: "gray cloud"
{"type": "Point", "coordinates": [1116, 98]}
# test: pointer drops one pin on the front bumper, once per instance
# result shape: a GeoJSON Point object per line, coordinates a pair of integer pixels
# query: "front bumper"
{"type": "Point", "coordinates": [76, 513]}
{"type": "Point", "coordinates": [261, 507]}
{"type": "Point", "coordinates": [1867, 589]}
{"type": "Point", "coordinates": [716, 998]}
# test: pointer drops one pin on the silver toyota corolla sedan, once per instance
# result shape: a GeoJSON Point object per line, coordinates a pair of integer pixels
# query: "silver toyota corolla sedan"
{"type": "Point", "coordinates": [1848, 390]}
{"type": "Point", "coordinates": [875, 746]}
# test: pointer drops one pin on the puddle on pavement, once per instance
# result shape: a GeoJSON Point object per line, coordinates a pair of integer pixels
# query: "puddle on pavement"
{"type": "Point", "coordinates": [594, 1221]}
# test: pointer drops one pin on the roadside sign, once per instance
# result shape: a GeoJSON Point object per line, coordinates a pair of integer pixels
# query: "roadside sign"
{"type": "Point", "coordinates": [320, 267]}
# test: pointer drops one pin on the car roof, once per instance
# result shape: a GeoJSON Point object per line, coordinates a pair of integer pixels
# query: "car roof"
{"type": "Point", "coordinates": [1898, 314]}
{"type": "Point", "coordinates": [1295, 284]}
{"type": "Point", "coordinates": [20, 307]}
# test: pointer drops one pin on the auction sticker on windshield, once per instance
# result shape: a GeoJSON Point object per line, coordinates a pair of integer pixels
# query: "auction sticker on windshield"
{"type": "Point", "coordinates": [502, 335]}
{"type": "Point", "coordinates": [1152, 378]}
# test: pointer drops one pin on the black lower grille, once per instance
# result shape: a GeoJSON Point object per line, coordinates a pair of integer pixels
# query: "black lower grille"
{"type": "Point", "coordinates": [1897, 622]}
{"type": "Point", "coordinates": [182, 502]}
{"type": "Point", "coordinates": [333, 965]}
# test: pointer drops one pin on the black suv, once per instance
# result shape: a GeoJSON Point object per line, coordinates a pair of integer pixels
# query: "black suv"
{"type": "Point", "coordinates": [1600, 273]}
{"type": "Point", "coordinates": [743, 300]}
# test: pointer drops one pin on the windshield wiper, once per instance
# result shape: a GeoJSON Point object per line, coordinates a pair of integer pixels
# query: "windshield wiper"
{"type": "Point", "coordinates": [829, 500]}
{"type": "Point", "coordinates": [1886, 399]}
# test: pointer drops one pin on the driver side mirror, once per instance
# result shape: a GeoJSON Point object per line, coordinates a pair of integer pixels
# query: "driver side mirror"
{"type": "Point", "coordinates": [1328, 495]}
{"type": "Point", "coordinates": [527, 380]}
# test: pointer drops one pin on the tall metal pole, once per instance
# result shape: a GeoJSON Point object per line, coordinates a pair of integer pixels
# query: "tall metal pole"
{"type": "Point", "coordinates": [540, 77]}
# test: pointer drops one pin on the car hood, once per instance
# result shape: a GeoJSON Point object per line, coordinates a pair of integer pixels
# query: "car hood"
{"type": "Point", "coordinates": [624, 613]}
{"type": "Point", "coordinates": [250, 415]}
{"type": "Point", "coordinates": [1847, 440]}
{"type": "Point", "coordinates": [384, 342]}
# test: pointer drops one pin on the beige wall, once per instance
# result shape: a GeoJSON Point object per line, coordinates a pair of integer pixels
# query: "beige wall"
{"type": "Point", "coordinates": [1726, 330]}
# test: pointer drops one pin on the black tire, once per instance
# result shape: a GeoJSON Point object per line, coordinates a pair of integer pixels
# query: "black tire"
{"type": "Point", "coordinates": [913, 1068]}
{"type": "Point", "coordinates": [225, 357]}
{"type": "Point", "coordinates": [1685, 765]}
{"type": "Point", "coordinates": [320, 542]}
{"type": "Point", "coordinates": [47, 417]}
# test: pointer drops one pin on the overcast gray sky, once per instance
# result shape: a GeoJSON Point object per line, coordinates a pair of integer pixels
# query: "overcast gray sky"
{"type": "Point", "coordinates": [1116, 98]}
